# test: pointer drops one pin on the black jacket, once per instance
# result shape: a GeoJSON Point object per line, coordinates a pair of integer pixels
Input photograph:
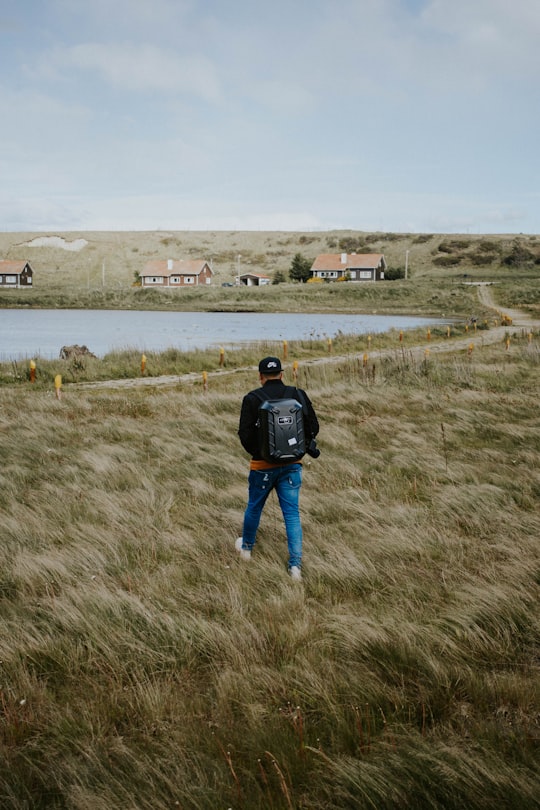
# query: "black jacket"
{"type": "Point", "coordinates": [247, 430]}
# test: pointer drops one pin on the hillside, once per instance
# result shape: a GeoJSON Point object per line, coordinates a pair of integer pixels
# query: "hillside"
{"type": "Point", "coordinates": [83, 258]}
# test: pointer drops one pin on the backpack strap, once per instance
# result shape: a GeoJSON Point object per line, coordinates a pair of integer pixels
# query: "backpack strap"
{"type": "Point", "coordinates": [261, 395]}
{"type": "Point", "coordinates": [299, 395]}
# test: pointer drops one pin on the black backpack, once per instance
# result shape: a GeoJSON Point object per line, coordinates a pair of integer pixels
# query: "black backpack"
{"type": "Point", "coordinates": [282, 435]}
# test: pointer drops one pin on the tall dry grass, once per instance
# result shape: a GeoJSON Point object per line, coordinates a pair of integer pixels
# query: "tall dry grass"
{"type": "Point", "coordinates": [144, 666]}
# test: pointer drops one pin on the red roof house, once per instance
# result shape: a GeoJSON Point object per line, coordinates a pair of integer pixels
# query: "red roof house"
{"type": "Point", "coordinates": [15, 274]}
{"type": "Point", "coordinates": [176, 273]}
{"type": "Point", "coordinates": [351, 266]}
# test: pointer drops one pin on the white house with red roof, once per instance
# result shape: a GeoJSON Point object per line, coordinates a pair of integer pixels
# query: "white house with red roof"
{"type": "Point", "coordinates": [350, 266]}
{"type": "Point", "coordinates": [174, 273]}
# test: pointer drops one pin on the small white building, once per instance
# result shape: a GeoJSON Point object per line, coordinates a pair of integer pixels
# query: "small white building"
{"type": "Point", "coordinates": [254, 279]}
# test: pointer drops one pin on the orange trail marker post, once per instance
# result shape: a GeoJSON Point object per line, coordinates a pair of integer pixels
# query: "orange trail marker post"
{"type": "Point", "coordinates": [365, 359]}
{"type": "Point", "coordinates": [143, 364]}
{"type": "Point", "coordinates": [205, 380]}
{"type": "Point", "coordinates": [32, 371]}
{"type": "Point", "coordinates": [507, 343]}
{"type": "Point", "coordinates": [470, 349]}
{"type": "Point", "coordinates": [401, 336]}
{"type": "Point", "coordinates": [428, 334]}
{"type": "Point", "coordinates": [221, 356]}
{"type": "Point", "coordinates": [285, 349]}
{"type": "Point", "coordinates": [58, 386]}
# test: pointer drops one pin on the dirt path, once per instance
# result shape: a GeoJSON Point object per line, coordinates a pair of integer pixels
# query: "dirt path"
{"type": "Point", "coordinates": [520, 320]}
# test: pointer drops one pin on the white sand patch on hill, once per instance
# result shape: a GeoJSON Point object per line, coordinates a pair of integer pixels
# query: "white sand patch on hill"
{"type": "Point", "coordinates": [57, 242]}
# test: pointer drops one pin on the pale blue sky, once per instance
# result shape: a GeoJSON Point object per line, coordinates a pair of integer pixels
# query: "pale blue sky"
{"type": "Point", "coordinates": [404, 115]}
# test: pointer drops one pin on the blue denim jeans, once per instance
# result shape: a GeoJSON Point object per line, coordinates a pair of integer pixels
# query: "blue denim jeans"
{"type": "Point", "coordinates": [286, 481]}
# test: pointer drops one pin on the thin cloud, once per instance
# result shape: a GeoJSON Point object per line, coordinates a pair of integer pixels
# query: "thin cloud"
{"type": "Point", "coordinates": [378, 115]}
{"type": "Point", "coordinates": [144, 68]}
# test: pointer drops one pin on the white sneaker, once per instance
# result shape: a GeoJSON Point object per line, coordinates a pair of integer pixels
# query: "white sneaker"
{"type": "Point", "coordinates": [245, 553]}
{"type": "Point", "coordinates": [295, 572]}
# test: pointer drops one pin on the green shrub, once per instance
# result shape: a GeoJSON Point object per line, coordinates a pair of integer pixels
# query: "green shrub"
{"type": "Point", "coordinates": [447, 261]}
{"type": "Point", "coordinates": [393, 273]}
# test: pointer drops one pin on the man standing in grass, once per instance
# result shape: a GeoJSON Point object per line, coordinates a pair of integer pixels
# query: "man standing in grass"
{"type": "Point", "coordinates": [264, 475]}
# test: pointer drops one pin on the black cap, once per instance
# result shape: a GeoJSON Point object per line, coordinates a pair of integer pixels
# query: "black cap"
{"type": "Point", "coordinates": [270, 365]}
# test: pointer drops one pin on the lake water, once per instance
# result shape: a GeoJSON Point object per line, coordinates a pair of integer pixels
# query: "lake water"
{"type": "Point", "coordinates": [26, 333]}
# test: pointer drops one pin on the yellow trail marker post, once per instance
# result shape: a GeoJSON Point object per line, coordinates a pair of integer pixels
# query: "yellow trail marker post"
{"type": "Point", "coordinates": [205, 380]}
{"type": "Point", "coordinates": [58, 386]}
{"type": "Point", "coordinates": [285, 349]}
{"type": "Point", "coordinates": [221, 356]}
{"type": "Point", "coordinates": [143, 364]}
{"type": "Point", "coordinates": [32, 371]}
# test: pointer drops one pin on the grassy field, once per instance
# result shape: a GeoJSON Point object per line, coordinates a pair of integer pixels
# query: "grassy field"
{"type": "Point", "coordinates": [143, 666]}
{"type": "Point", "coordinates": [102, 272]}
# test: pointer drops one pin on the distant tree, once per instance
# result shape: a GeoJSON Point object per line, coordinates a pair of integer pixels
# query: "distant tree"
{"type": "Point", "coordinates": [300, 269]}
{"type": "Point", "coordinates": [279, 277]}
